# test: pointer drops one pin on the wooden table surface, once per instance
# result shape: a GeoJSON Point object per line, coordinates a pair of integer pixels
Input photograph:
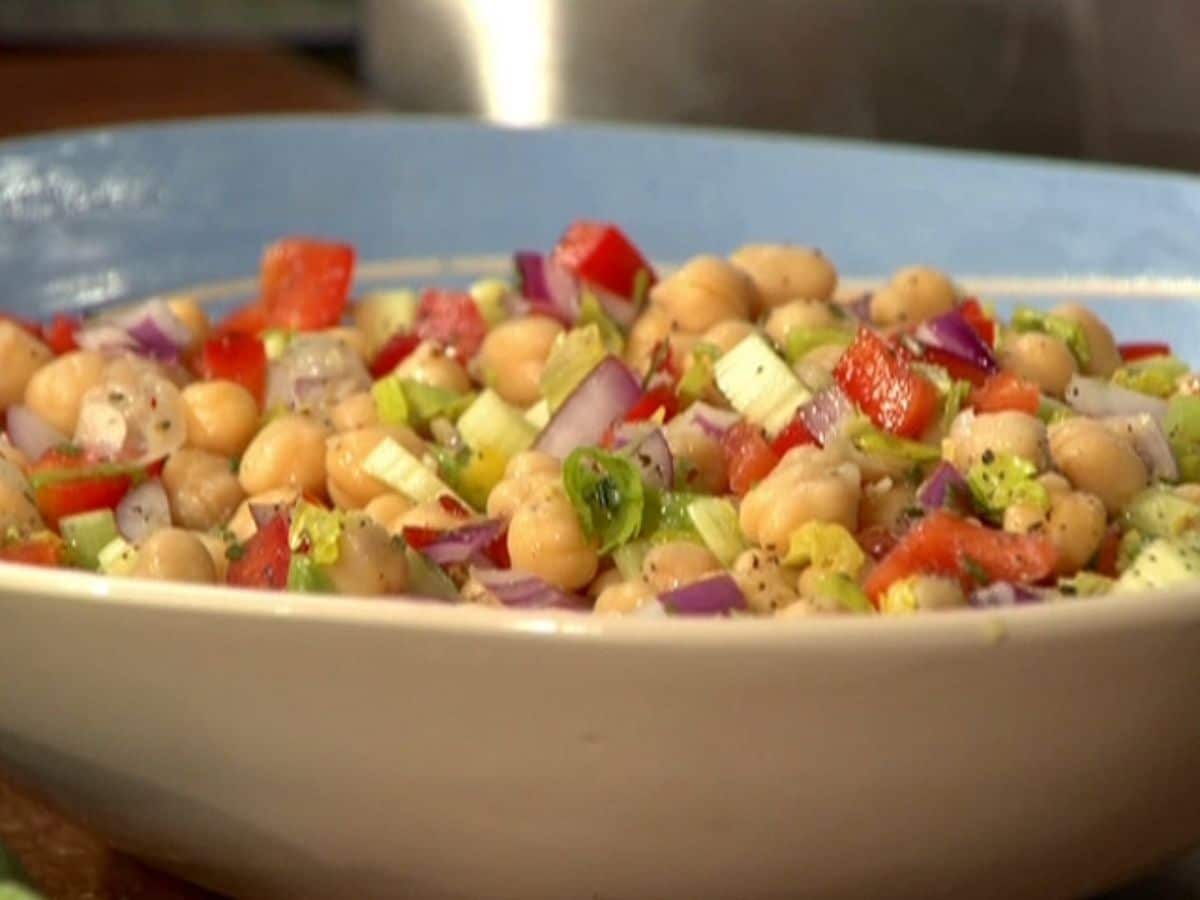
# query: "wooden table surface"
{"type": "Point", "coordinates": [42, 90]}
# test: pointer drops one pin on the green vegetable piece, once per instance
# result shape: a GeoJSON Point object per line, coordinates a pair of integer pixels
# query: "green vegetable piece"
{"type": "Point", "coordinates": [316, 533]}
{"type": "Point", "coordinates": [1161, 563]}
{"type": "Point", "coordinates": [1157, 376]}
{"type": "Point", "coordinates": [306, 576]}
{"type": "Point", "coordinates": [391, 406]}
{"type": "Point", "coordinates": [628, 559]}
{"type": "Point", "coordinates": [825, 545]}
{"type": "Point", "coordinates": [86, 535]}
{"type": "Point", "coordinates": [607, 494]}
{"type": "Point", "coordinates": [1128, 548]}
{"type": "Point", "coordinates": [901, 597]}
{"type": "Point", "coordinates": [471, 473]}
{"type": "Point", "coordinates": [869, 439]}
{"type": "Point", "coordinates": [592, 313]}
{"type": "Point", "coordinates": [1159, 512]}
{"type": "Point", "coordinates": [11, 890]}
{"type": "Point", "coordinates": [382, 314]}
{"type": "Point", "coordinates": [571, 360]}
{"type": "Point", "coordinates": [760, 385]}
{"type": "Point", "coordinates": [1182, 424]}
{"type": "Point", "coordinates": [538, 415]}
{"type": "Point", "coordinates": [10, 869]}
{"type": "Point", "coordinates": [118, 557]}
{"type": "Point", "coordinates": [952, 392]}
{"type": "Point", "coordinates": [716, 521]}
{"type": "Point", "coordinates": [46, 477]}
{"type": "Point", "coordinates": [1052, 411]}
{"type": "Point", "coordinates": [427, 579]}
{"type": "Point", "coordinates": [844, 591]}
{"type": "Point", "coordinates": [1003, 480]}
{"type": "Point", "coordinates": [803, 339]}
{"type": "Point", "coordinates": [399, 469]}
{"type": "Point", "coordinates": [667, 516]}
{"type": "Point", "coordinates": [1085, 584]}
{"type": "Point", "coordinates": [276, 342]}
{"type": "Point", "coordinates": [425, 402]}
{"type": "Point", "coordinates": [1066, 330]}
{"type": "Point", "coordinates": [489, 294]}
{"type": "Point", "coordinates": [490, 424]}
{"type": "Point", "coordinates": [701, 374]}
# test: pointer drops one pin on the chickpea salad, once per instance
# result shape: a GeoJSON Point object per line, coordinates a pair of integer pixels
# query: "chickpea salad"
{"type": "Point", "coordinates": [735, 438]}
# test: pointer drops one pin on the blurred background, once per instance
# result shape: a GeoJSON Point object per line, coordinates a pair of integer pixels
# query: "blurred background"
{"type": "Point", "coordinates": [1091, 79]}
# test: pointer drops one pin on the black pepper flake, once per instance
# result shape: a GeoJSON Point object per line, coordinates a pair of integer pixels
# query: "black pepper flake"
{"type": "Point", "coordinates": [988, 457]}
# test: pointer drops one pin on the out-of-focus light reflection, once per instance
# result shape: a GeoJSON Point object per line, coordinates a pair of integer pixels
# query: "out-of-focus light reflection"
{"type": "Point", "coordinates": [513, 43]}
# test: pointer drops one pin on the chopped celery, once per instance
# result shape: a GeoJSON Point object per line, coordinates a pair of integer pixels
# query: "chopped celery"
{"type": "Point", "coordinates": [666, 516]}
{"type": "Point", "coordinates": [607, 493]}
{"type": "Point", "coordinates": [538, 415]}
{"type": "Point", "coordinates": [489, 294]}
{"type": "Point", "coordinates": [759, 384]}
{"type": "Point", "coordinates": [86, 534]}
{"type": "Point", "coordinates": [316, 532]}
{"type": "Point", "coordinates": [1066, 330]}
{"type": "Point", "coordinates": [628, 559]}
{"type": "Point", "coordinates": [1182, 425]}
{"type": "Point", "coordinates": [1159, 512]}
{"type": "Point", "coordinates": [490, 424]}
{"type": "Point", "coordinates": [952, 392]}
{"type": "Point", "coordinates": [472, 473]}
{"type": "Point", "coordinates": [1160, 563]}
{"type": "Point", "coordinates": [399, 469]}
{"type": "Point", "coordinates": [427, 579]}
{"type": "Point", "coordinates": [716, 521]}
{"type": "Point", "coordinates": [844, 591]}
{"type": "Point", "coordinates": [426, 402]}
{"type": "Point", "coordinates": [118, 557]}
{"type": "Point", "coordinates": [1085, 584]}
{"type": "Point", "coordinates": [825, 545]}
{"type": "Point", "coordinates": [381, 315]}
{"type": "Point", "coordinates": [307, 576]}
{"type": "Point", "coordinates": [575, 354]}
{"type": "Point", "coordinates": [803, 339]}
{"type": "Point", "coordinates": [391, 406]}
{"type": "Point", "coordinates": [869, 439]}
{"type": "Point", "coordinates": [700, 375]}
{"type": "Point", "coordinates": [1003, 480]}
{"type": "Point", "coordinates": [1157, 376]}
{"type": "Point", "coordinates": [276, 341]}
{"type": "Point", "coordinates": [1129, 547]}
{"type": "Point", "coordinates": [1051, 411]}
{"type": "Point", "coordinates": [592, 313]}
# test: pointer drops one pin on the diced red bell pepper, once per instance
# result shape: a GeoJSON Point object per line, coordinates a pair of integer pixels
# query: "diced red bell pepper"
{"type": "Point", "coordinates": [1143, 350]}
{"type": "Point", "coordinates": [883, 385]}
{"type": "Point", "coordinates": [454, 506]}
{"type": "Point", "coordinates": [397, 349]}
{"type": "Point", "coordinates": [795, 434]}
{"type": "Point", "coordinates": [1109, 552]}
{"type": "Point", "coordinates": [944, 544]}
{"type": "Point", "coordinates": [497, 551]}
{"type": "Point", "coordinates": [748, 457]}
{"type": "Point", "coordinates": [661, 397]}
{"type": "Point", "coordinates": [958, 367]}
{"type": "Point", "coordinates": [250, 319]}
{"type": "Point", "coordinates": [419, 537]}
{"type": "Point", "coordinates": [59, 334]}
{"type": "Point", "coordinates": [1006, 391]}
{"type": "Point", "coordinates": [877, 541]}
{"type": "Point", "coordinates": [265, 558]}
{"type": "Point", "coordinates": [599, 253]}
{"type": "Point", "coordinates": [981, 323]}
{"type": "Point", "coordinates": [237, 357]}
{"type": "Point", "coordinates": [306, 283]}
{"type": "Point", "coordinates": [43, 550]}
{"type": "Point", "coordinates": [452, 319]}
{"type": "Point", "coordinates": [66, 481]}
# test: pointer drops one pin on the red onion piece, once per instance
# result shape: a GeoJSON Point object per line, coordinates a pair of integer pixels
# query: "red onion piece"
{"type": "Point", "coordinates": [860, 308]}
{"type": "Point", "coordinates": [550, 289]}
{"type": "Point", "coordinates": [158, 331]}
{"type": "Point", "coordinates": [1003, 593]}
{"type": "Point", "coordinates": [646, 447]}
{"type": "Point", "coordinates": [944, 487]}
{"type": "Point", "coordinates": [464, 544]}
{"type": "Point", "coordinates": [1100, 399]}
{"type": "Point", "coordinates": [520, 590]}
{"type": "Point", "coordinates": [951, 333]}
{"type": "Point", "coordinates": [143, 511]}
{"type": "Point", "coordinates": [105, 339]}
{"type": "Point", "coordinates": [827, 414]}
{"type": "Point", "coordinates": [712, 421]}
{"type": "Point", "coordinates": [716, 596]}
{"type": "Point", "coordinates": [30, 433]}
{"type": "Point", "coordinates": [621, 310]}
{"type": "Point", "coordinates": [608, 392]}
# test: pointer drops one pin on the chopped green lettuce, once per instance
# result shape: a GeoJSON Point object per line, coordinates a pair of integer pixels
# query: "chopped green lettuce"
{"type": "Point", "coordinates": [391, 406]}
{"type": "Point", "coordinates": [827, 546]}
{"type": "Point", "coordinates": [592, 313]}
{"type": "Point", "coordinates": [844, 591]}
{"type": "Point", "coordinates": [1182, 425]}
{"type": "Point", "coordinates": [666, 516]}
{"type": "Point", "coordinates": [701, 374]}
{"type": "Point", "coordinates": [572, 359]}
{"type": "Point", "coordinates": [716, 521]}
{"type": "Point", "coordinates": [307, 576]}
{"type": "Point", "coordinates": [1001, 480]}
{"type": "Point", "coordinates": [1157, 376]}
{"type": "Point", "coordinates": [316, 533]}
{"type": "Point", "coordinates": [628, 559]}
{"type": "Point", "coordinates": [608, 495]}
{"type": "Point", "coordinates": [1068, 331]}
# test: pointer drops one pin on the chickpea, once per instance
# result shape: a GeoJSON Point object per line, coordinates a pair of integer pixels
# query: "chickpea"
{"type": "Point", "coordinates": [545, 539]}
{"type": "Point", "coordinates": [767, 585]}
{"type": "Point", "coordinates": [23, 355]}
{"type": "Point", "coordinates": [884, 502]}
{"type": "Point", "coordinates": [623, 597]}
{"type": "Point", "coordinates": [17, 507]}
{"type": "Point", "coordinates": [727, 335]}
{"type": "Point", "coordinates": [172, 554]}
{"type": "Point", "coordinates": [349, 485]}
{"type": "Point", "coordinates": [1054, 484]}
{"type": "Point", "coordinates": [369, 562]}
{"type": "Point", "coordinates": [192, 314]}
{"type": "Point", "coordinates": [56, 389]}
{"type": "Point", "coordinates": [218, 552]}
{"type": "Point", "coordinates": [1097, 461]}
{"type": "Point", "coordinates": [386, 510]}
{"type": "Point", "coordinates": [1076, 527]}
{"type": "Point", "coordinates": [525, 475]}
{"type": "Point", "coordinates": [651, 329]}
{"type": "Point", "coordinates": [1024, 518]}
{"type": "Point", "coordinates": [352, 338]}
{"type": "Point", "coordinates": [808, 485]}
{"type": "Point", "coordinates": [430, 514]}
{"type": "Point", "coordinates": [222, 416]}
{"type": "Point", "coordinates": [514, 354]}
{"type": "Point", "coordinates": [783, 273]}
{"type": "Point", "coordinates": [288, 452]}
{"type": "Point", "coordinates": [430, 364]}
{"type": "Point", "coordinates": [913, 294]}
{"type": "Point", "coordinates": [798, 314]}
{"type": "Point", "coordinates": [241, 523]}
{"type": "Point", "coordinates": [1040, 358]}
{"type": "Point", "coordinates": [1008, 433]}
{"type": "Point", "coordinates": [201, 487]}
{"type": "Point", "coordinates": [677, 563]}
{"type": "Point", "coordinates": [605, 579]}
{"type": "Point", "coordinates": [1102, 346]}
{"type": "Point", "coordinates": [707, 290]}
{"type": "Point", "coordinates": [356, 411]}
{"type": "Point", "coordinates": [702, 454]}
